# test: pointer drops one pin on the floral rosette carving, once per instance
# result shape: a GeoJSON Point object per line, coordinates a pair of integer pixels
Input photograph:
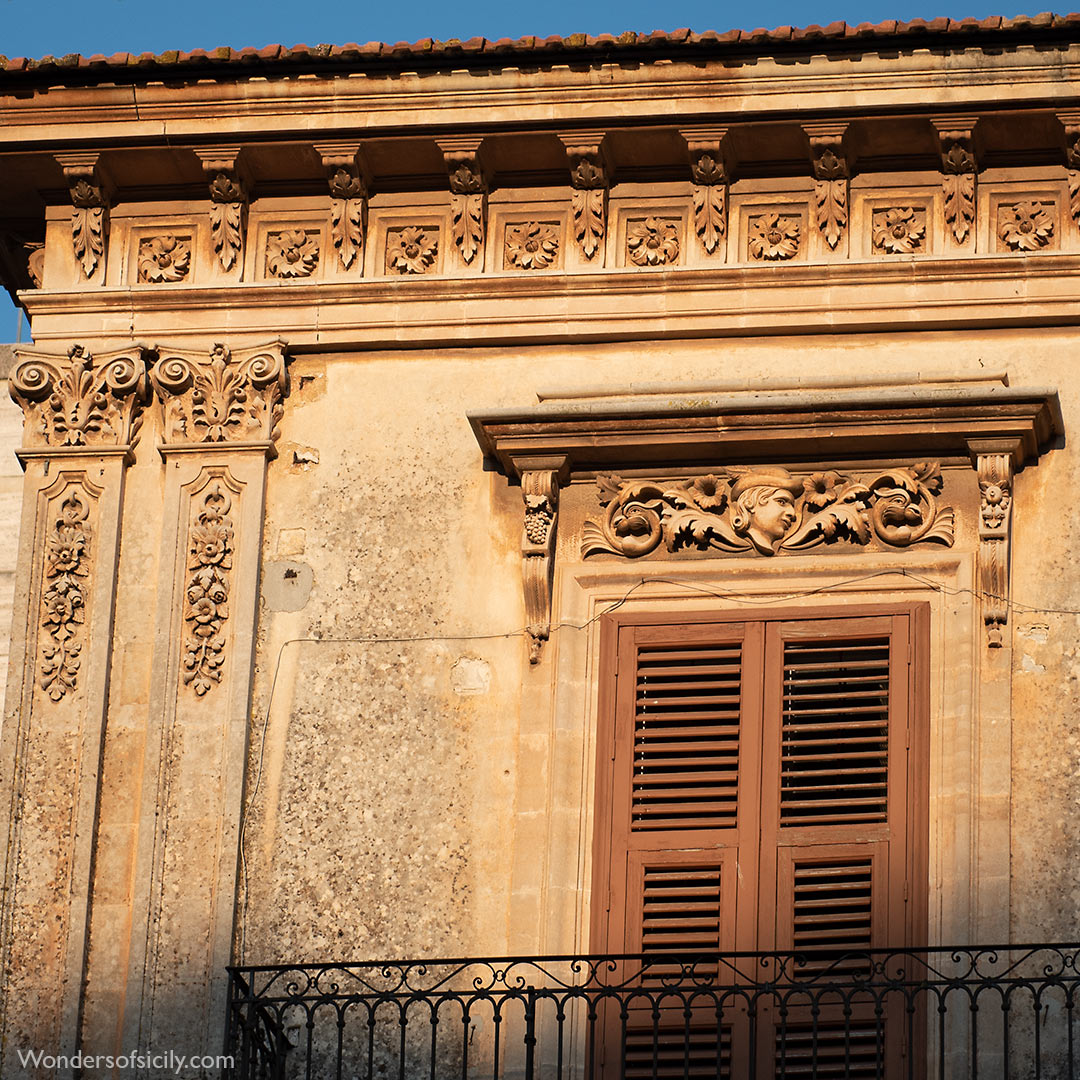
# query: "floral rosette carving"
{"type": "Point", "coordinates": [652, 242]}
{"type": "Point", "coordinates": [774, 237]}
{"type": "Point", "coordinates": [1026, 226]}
{"type": "Point", "coordinates": [80, 402]}
{"type": "Point", "coordinates": [899, 230]}
{"type": "Point", "coordinates": [411, 250]}
{"type": "Point", "coordinates": [206, 606]}
{"type": "Point", "coordinates": [164, 258]}
{"type": "Point", "coordinates": [767, 510]}
{"type": "Point", "coordinates": [292, 253]}
{"type": "Point", "coordinates": [533, 245]}
{"type": "Point", "coordinates": [222, 399]}
{"type": "Point", "coordinates": [63, 603]}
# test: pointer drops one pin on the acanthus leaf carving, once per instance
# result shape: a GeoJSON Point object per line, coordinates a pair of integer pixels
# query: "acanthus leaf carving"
{"type": "Point", "coordinates": [348, 202]}
{"type": "Point", "coordinates": [958, 166]}
{"type": "Point", "coordinates": [1072, 164]}
{"type": "Point", "coordinates": [767, 510]}
{"type": "Point", "coordinates": [63, 600]}
{"type": "Point", "coordinates": [206, 597]}
{"type": "Point", "coordinates": [468, 198]}
{"type": "Point", "coordinates": [228, 200]}
{"type": "Point", "coordinates": [994, 465]}
{"type": "Point", "coordinates": [89, 218]}
{"type": "Point", "coordinates": [222, 399]}
{"type": "Point", "coordinates": [77, 401]}
{"type": "Point", "coordinates": [588, 200]}
{"type": "Point", "coordinates": [709, 187]}
{"type": "Point", "coordinates": [540, 482]}
{"type": "Point", "coordinates": [710, 214]}
{"type": "Point", "coordinates": [830, 186]}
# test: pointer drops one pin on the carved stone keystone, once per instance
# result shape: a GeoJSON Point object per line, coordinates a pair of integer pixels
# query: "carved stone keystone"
{"type": "Point", "coordinates": [589, 180]}
{"type": "Point", "coordinates": [349, 189]}
{"type": "Point", "coordinates": [958, 168]}
{"type": "Point", "coordinates": [228, 203]}
{"type": "Point", "coordinates": [90, 211]}
{"type": "Point", "coordinates": [468, 194]}
{"type": "Point", "coordinates": [711, 176]}
{"type": "Point", "coordinates": [831, 175]}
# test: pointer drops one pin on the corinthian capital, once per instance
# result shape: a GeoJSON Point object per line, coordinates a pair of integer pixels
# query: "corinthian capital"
{"type": "Point", "coordinates": [77, 403]}
{"type": "Point", "coordinates": [225, 398]}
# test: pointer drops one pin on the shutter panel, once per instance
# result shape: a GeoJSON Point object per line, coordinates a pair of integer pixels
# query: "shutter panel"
{"type": "Point", "coordinates": [675, 1053]}
{"type": "Point", "coordinates": [830, 1050]}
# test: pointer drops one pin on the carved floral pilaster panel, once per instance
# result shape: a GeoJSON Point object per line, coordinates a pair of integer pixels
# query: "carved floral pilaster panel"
{"type": "Point", "coordinates": [652, 241]}
{"type": "Point", "coordinates": [588, 199]}
{"type": "Point", "coordinates": [830, 186]}
{"type": "Point", "coordinates": [206, 596]}
{"type": "Point", "coordinates": [773, 237]}
{"type": "Point", "coordinates": [65, 590]}
{"type": "Point", "coordinates": [1026, 226]}
{"type": "Point", "coordinates": [958, 182]}
{"type": "Point", "coordinates": [77, 401]}
{"type": "Point", "coordinates": [767, 510]}
{"type": "Point", "coordinates": [164, 258]}
{"type": "Point", "coordinates": [222, 399]}
{"type": "Point", "coordinates": [531, 245]}
{"type": "Point", "coordinates": [995, 471]}
{"type": "Point", "coordinates": [292, 253]}
{"type": "Point", "coordinates": [899, 230]}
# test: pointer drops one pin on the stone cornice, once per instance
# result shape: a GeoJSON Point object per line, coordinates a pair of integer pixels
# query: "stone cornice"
{"type": "Point", "coordinates": [978, 292]}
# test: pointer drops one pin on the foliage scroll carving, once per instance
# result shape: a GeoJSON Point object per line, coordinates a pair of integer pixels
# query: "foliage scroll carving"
{"type": "Point", "coordinates": [767, 510]}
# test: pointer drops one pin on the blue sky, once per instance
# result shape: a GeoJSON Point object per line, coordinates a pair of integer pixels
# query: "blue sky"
{"type": "Point", "coordinates": [39, 27]}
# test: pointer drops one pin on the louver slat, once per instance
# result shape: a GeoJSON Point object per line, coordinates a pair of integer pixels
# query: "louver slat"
{"type": "Point", "coordinates": [835, 733]}
{"type": "Point", "coordinates": [681, 909]}
{"type": "Point", "coordinates": [832, 912]}
{"type": "Point", "coordinates": [686, 737]}
{"type": "Point", "coordinates": [677, 1053]}
{"type": "Point", "coordinates": [829, 1051]}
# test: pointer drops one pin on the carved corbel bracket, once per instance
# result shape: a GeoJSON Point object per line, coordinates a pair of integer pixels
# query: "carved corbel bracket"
{"type": "Point", "coordinates": [227, 398]}
{"type": "Point", "coordinates": [589, 180]}
{"type": "Point", "coordinates": [958, 168]}
{"type": "Point", "coordinates": [540, 481]}
{"type": "Point", "coordinates": [1071, 123]}
{"type": "Point", "coordinates": [995, 462]}
{"type": "Point", "coordinates": [77, 404]}
{"type": "Point", "coordinates": [348, 178]}
{"type": "Point", "coordinates": [711, 176]}
{"type": "Point", "coordinates": [831, 176]}
{"type": "Point", "coordinates": [90, 199]}
{"type": "Point", "coordinates": [229, 193]}
{"type": "Point", "coordinates": [468, 194]}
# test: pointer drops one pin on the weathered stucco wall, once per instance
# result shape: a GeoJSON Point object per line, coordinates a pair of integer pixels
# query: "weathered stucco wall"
{"type": "Point", "coordinates": [10, 503]}
{"type": "Point", "coordinates": [393, 814]}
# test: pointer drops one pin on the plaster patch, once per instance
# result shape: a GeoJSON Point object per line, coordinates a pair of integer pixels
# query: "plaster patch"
{"type": "Point", "coordinates": [291, 541]}
{"type": "Point", "coordinates": [471, 675]}
{"type": "Point", "coordinates": [1037, 632]}
{"type": "Point", "coordinates": [1028, 664]}
{"type": "Point", "coordinates": [305, 456]}
{"type": "Point", "coordinates": [286, 585]}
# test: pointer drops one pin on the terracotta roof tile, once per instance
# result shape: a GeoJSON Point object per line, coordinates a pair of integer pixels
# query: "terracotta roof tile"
{"type": "Point", "coordinates": [328, 57]}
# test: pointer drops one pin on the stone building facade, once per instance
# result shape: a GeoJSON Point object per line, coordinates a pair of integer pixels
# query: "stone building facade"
{"type": "Point", "coordinates": [384, 401]}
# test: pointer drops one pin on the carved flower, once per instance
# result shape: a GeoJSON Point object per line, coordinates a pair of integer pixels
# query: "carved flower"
{"type": "Point", "coordinates": [995, 505]}
{"type": "Point", "coordinates": [652, 242]}
{"type": "Point", "coordinates": [164, 258]}
{"type": "Point", "coordinates": [532, 246]}
{"type": "Point", "coordinates": [709, 492]}
{"type": "Point", "coordinates": [773, 236]}
{"type": "Point", "coordinates": [899, 231]}
{"type": "Point", "coordinates": [820, 488]}
{"type": "Point", "coordinates": [411, 251]}
{"type": "Point", "coordinates": [65, 550]}
{"type": "Point", "coordinates": [63, 604]}
{"type": "Point", "coordinates": [210, 542]}
{"type": "Point", "coordinates": [292, 253]}
{"type": "Point", "coordinates": [1026, 226]}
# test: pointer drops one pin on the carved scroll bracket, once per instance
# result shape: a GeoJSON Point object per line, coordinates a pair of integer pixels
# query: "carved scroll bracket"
{"type": "Point", "coordinates": [235, 399]}
{"type": "Point", "coordinates": [589, 178]}
{"type": "Point", "coordinates": [995, 461]}
{"type": "Point", "coordinates": [90, 199]}
{"type": "Point", "coordinates": [229, 193]}
{"type": "Point", "coordinates": [831, 176]}
{"type": "Point", "coordinates": [468, 194]}
{"type": "Point", "coordinates": [958, 168]}
{"type": "Point", "coordinates": [711, 175]}
{"type": "Point", "coordinates": [348, 178]}
{"type": "Point", "coordinates": [540, 482]}
{"type": "Point", "coordinates": [76, 404]}
{"type": "Point", "coordinates": [1071, 123]}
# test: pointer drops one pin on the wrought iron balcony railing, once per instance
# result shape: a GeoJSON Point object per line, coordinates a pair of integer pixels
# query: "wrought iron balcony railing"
{"type": "Point", "coordinates": [1007, 1013]}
